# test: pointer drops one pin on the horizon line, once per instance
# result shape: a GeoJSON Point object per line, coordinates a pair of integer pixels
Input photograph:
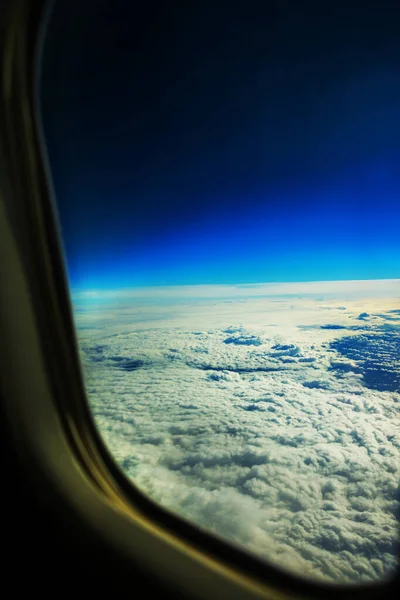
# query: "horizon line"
{"type": "Point", "coordinates": [125, 289]}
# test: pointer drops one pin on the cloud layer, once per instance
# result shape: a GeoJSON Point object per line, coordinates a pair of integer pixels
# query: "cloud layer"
{"type": "Point", "coordinates": [256, 422]}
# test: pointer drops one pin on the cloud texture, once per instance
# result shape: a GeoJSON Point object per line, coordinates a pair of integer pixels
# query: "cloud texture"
{"type": "Point", "coordinates": [256, 421]}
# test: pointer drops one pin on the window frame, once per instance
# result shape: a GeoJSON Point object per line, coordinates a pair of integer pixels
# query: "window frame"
{"type": "Point", "coordinates": [58, 437]}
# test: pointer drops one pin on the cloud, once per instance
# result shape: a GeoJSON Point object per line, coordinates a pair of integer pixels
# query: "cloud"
{"type": "Point", "coordinates": [377, 358]}
{"type": "Point", "coordinates": [243, 340]}
{"type": "Point", "coordinates": [386, 288]}
{"type": "Point", "coordinates": [363, 315]}
{"type": "Point", "coordinates": [316, 384]}
{"type": "Point", "coordinates": [297, 461]}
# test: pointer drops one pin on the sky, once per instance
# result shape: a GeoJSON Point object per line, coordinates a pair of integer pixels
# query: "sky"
{"type": "Point", "coordinates": [209, 160]}
{"type": "Point", "coordinates": [224, 142]}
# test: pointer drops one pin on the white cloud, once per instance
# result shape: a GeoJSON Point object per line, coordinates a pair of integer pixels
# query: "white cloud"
{"type": "Point", "coordinates": [278, 445]}
{"type": "Point", "coordinates": [387, 288]}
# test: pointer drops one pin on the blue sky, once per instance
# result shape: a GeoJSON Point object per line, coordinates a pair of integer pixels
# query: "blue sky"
{"type": "Point", "coordinates": [269, 153]}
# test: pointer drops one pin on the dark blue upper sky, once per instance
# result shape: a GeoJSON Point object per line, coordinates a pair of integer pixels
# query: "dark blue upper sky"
{"type": "Point", "coordinates": [224, 142]}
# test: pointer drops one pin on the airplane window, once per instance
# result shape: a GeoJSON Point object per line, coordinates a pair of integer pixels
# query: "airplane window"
{"type": "Point", "coordinates": [227, 183]}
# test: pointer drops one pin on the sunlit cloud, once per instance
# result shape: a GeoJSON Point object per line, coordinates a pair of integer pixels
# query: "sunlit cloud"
{"type": "Point", "coordinates": [255, 422]}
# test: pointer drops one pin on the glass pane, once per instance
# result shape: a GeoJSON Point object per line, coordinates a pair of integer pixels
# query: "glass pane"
{"type": "Point", "coordinates": [227, 182]}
